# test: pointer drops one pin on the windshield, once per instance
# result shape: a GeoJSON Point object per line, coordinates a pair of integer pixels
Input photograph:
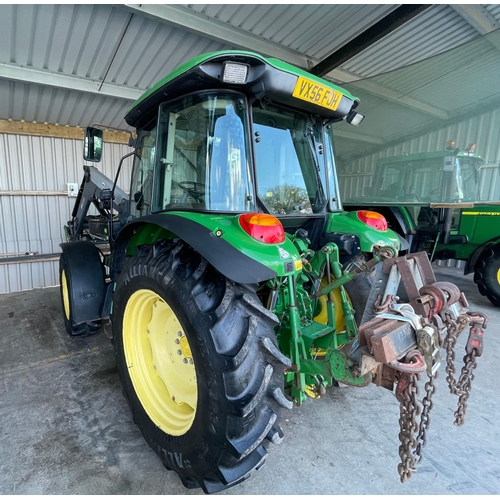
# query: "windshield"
{"type": "Point", "coordinates": [202, 155]}
{"type": "Point", "coordinates": [439, 179]}
{"type": "Point", "coordinates": [289, 161]}
{"type": "Point", "coordinates": [468, 177]}
{"type": "Point", "coordinates": [411, 180]}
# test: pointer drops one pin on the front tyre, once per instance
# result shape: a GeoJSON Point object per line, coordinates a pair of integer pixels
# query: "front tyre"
{"type": "Point", "coordinates": [199, 365]}
{"type": "Point", "coordinates": [487, 275]}
{"type": "Point", "coordinates": [66, 286]}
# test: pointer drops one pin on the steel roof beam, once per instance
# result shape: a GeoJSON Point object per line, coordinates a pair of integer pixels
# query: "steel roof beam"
{"type": "Point", "coordinates": [199, 24]}
{"type": "Point", "coordinates": [68, 82]}
{"type": "Point", "coordinates": [374, 88]}
{"type": "Point", "coordinates": [478, 17]}
{"type": "Point", "coordinates": [357, 137]}
{"type": "Point", "coordinates": [202, 25]}
{"type": "Point", "coordinates": [381, 28]}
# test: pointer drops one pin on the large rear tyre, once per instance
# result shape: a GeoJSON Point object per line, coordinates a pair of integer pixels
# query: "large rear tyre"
{"type": "Point", "coordinates": [65, 280]}
{"type": "Point", "coordinates": [199, 365]}
{"type": "Point", "coordinates": [487, 275]}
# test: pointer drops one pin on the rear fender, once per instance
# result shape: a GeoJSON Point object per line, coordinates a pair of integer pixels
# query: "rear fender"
{"type": "Point", "coordinates": [369, 238]}
{"type": "Point", "coordinates": [234, 254]}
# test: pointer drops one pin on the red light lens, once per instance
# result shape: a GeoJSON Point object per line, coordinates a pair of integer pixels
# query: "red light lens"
{"type": "Point", "coordinates": [263, 227]}
{"type": "Point", "coordinates": [373, 219]}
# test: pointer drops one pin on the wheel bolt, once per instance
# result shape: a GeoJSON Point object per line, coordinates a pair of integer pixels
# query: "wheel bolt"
{"type": "Point", "coordinates": [179, 352]}
{"type": "Point", "coordinates": [179, 333]}
{"type": "Point", "coordinates": [185, 360]}
{"type": "Point", "coordinates": [177, 341]}
{"type": "Point", "coordinates": [190, 361]}
{"type": "Point", "coordinates": [173, 398]}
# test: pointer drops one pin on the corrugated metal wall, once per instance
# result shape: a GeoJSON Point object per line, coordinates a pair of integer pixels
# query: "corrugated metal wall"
{"type": "Point", "coordinates": [484, 130]}
{"type": "Point", "coordinates": [34, 223]}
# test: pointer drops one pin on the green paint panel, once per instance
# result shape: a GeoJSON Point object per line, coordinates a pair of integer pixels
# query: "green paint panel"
{"type": "Point", "coordinates": [348, 223]}
{"type": "Point", "coordinates": [481, 223]}
{"type": "Point", "coordinates": [273, 256]}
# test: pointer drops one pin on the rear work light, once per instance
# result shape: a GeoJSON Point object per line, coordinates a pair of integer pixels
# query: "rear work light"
{"type": "Point", "coordinates": [234, 72]}
{"type": "Point", "coordinates": [263, 227]}
{"type": "Point", "coordinates": [373, 219]}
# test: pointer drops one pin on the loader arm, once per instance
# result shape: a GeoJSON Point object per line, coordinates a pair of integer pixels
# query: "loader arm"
{"type": "Point", "coordinates": [97, 189]}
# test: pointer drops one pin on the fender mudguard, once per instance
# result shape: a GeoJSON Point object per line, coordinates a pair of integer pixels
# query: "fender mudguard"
{"type": "Point", "coordinates": [223, 256]}
{"type": "Point", "coordinates": [474, 256]}
{"type": "Point", "coordinates": [85, 279]}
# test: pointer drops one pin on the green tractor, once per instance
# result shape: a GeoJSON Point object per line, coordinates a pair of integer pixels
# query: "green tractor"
{"type": "Point", "coordinates": [233, 281]}
{"type": "Point", "coordinates": [431, 199]}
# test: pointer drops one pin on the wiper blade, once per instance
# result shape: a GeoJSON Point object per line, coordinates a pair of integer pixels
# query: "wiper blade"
{"type": "Point", "coordinates": [314, 147]}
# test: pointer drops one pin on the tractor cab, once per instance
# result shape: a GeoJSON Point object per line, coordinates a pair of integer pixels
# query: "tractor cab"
{"type": "Point", "coordinates": [422, 194]}
{"type": "Point", "coordinates": [245, 134]}
{"type": "Point", "coordinates": [450, 176]}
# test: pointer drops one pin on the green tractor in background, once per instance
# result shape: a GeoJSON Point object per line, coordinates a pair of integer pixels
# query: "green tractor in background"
{"type": "Point", "coordinates": [233, 279]}
{"type": "Point", "coordinates": [432, 200]}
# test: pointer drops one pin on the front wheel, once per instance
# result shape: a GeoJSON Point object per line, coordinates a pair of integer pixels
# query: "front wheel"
{"type": "Point", "coordinates": [66, 287]}
{"type": "Point", "coordinates": [198, 361]}
{"type": "Point", "coordinates": [487, 275]}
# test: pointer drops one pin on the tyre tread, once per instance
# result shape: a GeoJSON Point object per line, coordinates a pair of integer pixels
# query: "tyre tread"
{"type": "Point", "coordinates": [251, 365]}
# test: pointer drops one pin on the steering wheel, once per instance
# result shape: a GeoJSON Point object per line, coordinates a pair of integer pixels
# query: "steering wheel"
{"type": "Point", "coordinates": [194, 189]}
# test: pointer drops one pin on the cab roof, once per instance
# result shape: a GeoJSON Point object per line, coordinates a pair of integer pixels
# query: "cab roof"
{"type": "Point", "coordinates": [266, 78]}
{"type": "Point", "coordinates": [425, 156]}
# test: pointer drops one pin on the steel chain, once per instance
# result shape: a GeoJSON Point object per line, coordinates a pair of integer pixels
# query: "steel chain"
{"type": "Point", "coordinates": [454, 329]}
{"type": "Point", "coordinates": [409, 411]}
{"type": "Point", "coordinates": [462, 386]}
{"type": "Point", "coordinates": [425, 419]}
{"type": "Point", "coordinates": [411, 446]}
{"type": "Point", "coordinates": [465, 382]}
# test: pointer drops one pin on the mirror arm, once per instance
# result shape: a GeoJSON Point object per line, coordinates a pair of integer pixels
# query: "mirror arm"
{"type": "Point", "coordinates": [131, 141]}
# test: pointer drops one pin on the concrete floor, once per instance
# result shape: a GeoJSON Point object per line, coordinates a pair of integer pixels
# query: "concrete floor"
{"type": "Point", "coordinates": [65, 427]}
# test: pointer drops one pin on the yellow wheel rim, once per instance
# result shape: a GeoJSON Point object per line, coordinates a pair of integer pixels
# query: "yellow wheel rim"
{"type": "Point", "coordinates": [65, 294]}
{"type": "Point", "coordinates": [498, 276]}
{"type": "Point", "coordinates": [160, 362]}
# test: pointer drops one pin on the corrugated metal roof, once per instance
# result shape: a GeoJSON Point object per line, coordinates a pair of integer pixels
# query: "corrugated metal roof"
{"type": "Point", "coordinates": [78, 40]}
{"type": "Point", "coordinates": [31, 102]}
{"type": "Point", "coordinates": [150, 50]}
{"type": "Point", "coordinates": [462, 83]}
{"type": "Point", "coordinates": [314, 30]}
{"type": "Point", "coordinates": [132, 50]}
{"type": "Point", "coordinates": [437, 29]}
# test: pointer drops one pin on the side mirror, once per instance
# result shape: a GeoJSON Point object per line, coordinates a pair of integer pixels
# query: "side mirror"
{"type": "Point", "coordinates": [92, 149]}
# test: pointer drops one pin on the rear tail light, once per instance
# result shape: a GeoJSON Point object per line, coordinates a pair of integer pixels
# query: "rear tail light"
{"type": "Point", "coordinates": [263, 227]}
{"type": "Point", "coordinates": [373, 219]}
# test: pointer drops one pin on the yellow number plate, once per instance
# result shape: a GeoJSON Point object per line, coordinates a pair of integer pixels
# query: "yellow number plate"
{"type": "Point", "coordinates": [310, 91]}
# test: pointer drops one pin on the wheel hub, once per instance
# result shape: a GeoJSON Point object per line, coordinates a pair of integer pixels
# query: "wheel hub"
{"type": "Point", "coordinates": [160, 362]}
